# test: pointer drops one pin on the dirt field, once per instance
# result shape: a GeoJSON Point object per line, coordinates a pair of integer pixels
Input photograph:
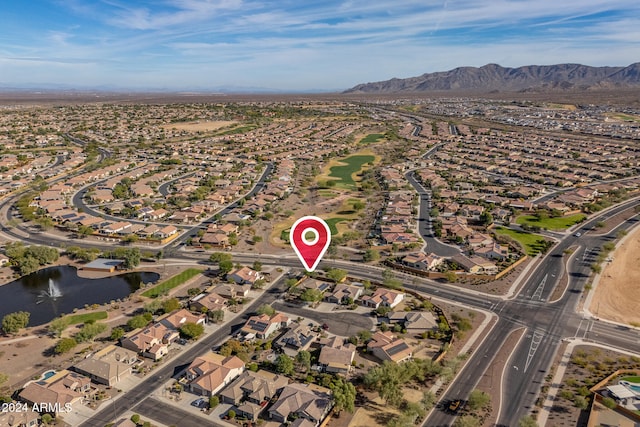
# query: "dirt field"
{"type": "Point", "coordinates": [616, 295]}
{"type": "Point", "coordinates": [199, 126]}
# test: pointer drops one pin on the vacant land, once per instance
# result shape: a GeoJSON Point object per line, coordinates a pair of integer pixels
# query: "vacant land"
{"type": "Point", "coordinates": [556, 223]}
{"type": "Point", "coordinates": [533, 244]}
{"type": "Point", "coordinates": [616, 295]}
{"type": "Point", "coordinates": [199, 126]}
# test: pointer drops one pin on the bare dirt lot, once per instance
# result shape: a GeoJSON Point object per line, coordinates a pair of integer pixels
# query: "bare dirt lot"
{"type": "Point", "coordinates": [200, 126]}
{"type": "Point", "coordinates": [616, 295]}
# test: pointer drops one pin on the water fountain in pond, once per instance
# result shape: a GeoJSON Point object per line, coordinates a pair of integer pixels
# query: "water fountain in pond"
{"type": "Point", "coordinates": [53, 292]}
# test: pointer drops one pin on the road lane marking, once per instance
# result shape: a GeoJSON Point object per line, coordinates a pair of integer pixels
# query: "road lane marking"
{"type": "Point", "coordinates": [540, 288]}
{"type": "Point", "coordinates": [533, 347]}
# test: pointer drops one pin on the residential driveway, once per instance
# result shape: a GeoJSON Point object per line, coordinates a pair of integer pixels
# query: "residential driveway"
{"type": "Point", "coordinates": [344, 323]}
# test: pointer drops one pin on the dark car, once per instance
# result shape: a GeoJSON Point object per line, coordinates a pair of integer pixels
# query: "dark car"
{"type": "Point", "coordinates": [325, 326]}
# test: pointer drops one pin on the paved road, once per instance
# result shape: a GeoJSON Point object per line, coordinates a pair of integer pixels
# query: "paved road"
{"type": "Point", "coordinates": [343, 323]}
{"type": "Point", "coordinates": [425, 222]}
{"type": "Point", "coordinates": [546, 323]}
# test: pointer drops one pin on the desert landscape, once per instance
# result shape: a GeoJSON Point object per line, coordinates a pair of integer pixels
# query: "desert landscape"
{"type": "Point", "coordinates": [616, 295]}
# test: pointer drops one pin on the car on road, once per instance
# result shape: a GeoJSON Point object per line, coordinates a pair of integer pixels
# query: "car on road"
{"type": "Point", "coordinates": [455, 405]}
{"type": "Point", "coordinates": [578, 234]}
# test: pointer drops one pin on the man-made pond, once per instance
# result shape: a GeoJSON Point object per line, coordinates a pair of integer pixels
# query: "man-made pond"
{"type": "Point", "coordinates": [53, 291]}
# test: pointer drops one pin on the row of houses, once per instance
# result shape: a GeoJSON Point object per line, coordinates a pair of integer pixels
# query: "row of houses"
{"type": "Point", "coordinates": [253, 393]}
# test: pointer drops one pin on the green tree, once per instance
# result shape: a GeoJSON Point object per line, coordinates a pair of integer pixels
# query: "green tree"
{"type": "Point", "coordinates": [609, 403]}
{"type": "Point", "coordinates": [467, 421]}
{"type": "Point", "coordinates": [284, 365]}
{"type": "Point", "coordinates": [311, 295]}
{"type": "Point", "coordinates": [46, 419]}
{"type": "Point", "coordinates": [213, 402]}
{"type": "Point", "coordinates": [65, 345]}
{"type": "Point", "coordinates": [13, 322]}
{"type": "Point", "coordinates": [258, 284]}
{"type": "Point", "coordinates": [117, 333]}
{"type": "Point", "coordinates": [135, 418]}
{"type": "Point", "coordinates": [139, 321]}
{"type": "Point", "coordinates": [581, 403]}
{"type": "Point", "coordinates": [527, 421]}
{"type": "Point", "coordinates": [28, 265]}
{"type": "Point", "coordinates": [343, 395]}
{"type": "Point", "coordinates": [89, 331]}
{"type": "Point", "coordinates": [170, 305]}
{"type": "Point", "coordinates": [266, 309]}
{"type": "Point", "coordinates": [219, 256]}
{"type": "Point", "coordinates": [216, 316]}
{"type": "Point", "coordinates": [478, 400]}
{"type": "Point", "coordinates": [85, 230]}
{"type": "Point", "coordinates": [131, 258]}
{"type": "Point", "coordinates": [257, 265]}
{"type": "Point", "coordinates": [231, 413]}
{"type": "Point", "coordinates": [364, 335]}
{"type": "Point", "coordinates": [428, 400]}
{"type": "Point", "coordinates": [225, 267]}
{"type": "Point", "coordinates": [191, 330]}
{"type": "Point", "coordinates": [57, 326]}
{"type": "Point", "coordinates": [290, 283]}
{"type": "Point", "coordinates": [370, 255]}
{"type": "Point", "coordinates": [336, 274]}
{"type": "Point", "coordinates": [303, 358]}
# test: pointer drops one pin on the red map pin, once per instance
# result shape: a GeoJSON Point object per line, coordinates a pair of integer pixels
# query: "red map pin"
{"type": "Point", "coordinates": [311, 251]}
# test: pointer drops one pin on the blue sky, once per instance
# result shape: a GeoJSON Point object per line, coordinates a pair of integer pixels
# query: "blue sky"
{"type": "Point", "coordinates": [299, 45]}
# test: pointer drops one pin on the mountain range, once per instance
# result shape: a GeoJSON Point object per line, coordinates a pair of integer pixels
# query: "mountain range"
{"type": "Point", "coordinates": [495, 78]}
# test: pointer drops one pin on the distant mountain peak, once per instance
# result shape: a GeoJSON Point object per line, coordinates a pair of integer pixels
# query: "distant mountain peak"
{"type": "Point", "coordinates": [494, 77]}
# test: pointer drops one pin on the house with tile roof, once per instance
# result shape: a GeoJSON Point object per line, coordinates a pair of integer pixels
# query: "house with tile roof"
{"type": "Point", "coordinates": [210, 373]}
{"type": "Point", "coordinates": [342, 293]}
{"type": "Point", "coordinates": [251, 391]}
{"type": "Point", "coordinates": [386, 346]}
{"type": "Point", "coordinates": [262, 326]}
{"type": "Point", "coordinates": [107, 366]}
{"type": "Point", "coordinates": [307, 401]}
{"type": "Point", "coordinates": [63, 388]}
{"type": "Point", "coordinates": [152, 341]}
{"type": "Point", "coordinates": [336, 355]}
{"type": "Point", "coordinates": [382, 297]}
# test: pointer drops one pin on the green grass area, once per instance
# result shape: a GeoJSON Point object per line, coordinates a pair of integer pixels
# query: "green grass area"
{"type": "Point", "coordinates": [345, 172]}
{"type": "Point", "coordinates": [74, 319]}
{"type": "Point", "coordinates": [332, 223]}
{"type": "Point", "coordinates": [635, 379]}
{"type": "Point", "coordinates": [240, 129]}
{"type": "Point", "coordinates": [558, 223]}
{"type": "Point", "coordinates": [171, 283]}
{"type": "Point", "coordinates": [625, 117]}
{"type": "Point", "coordinates": [372, 137]}
{"type": "Point", "coordinates": [533, 243]}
